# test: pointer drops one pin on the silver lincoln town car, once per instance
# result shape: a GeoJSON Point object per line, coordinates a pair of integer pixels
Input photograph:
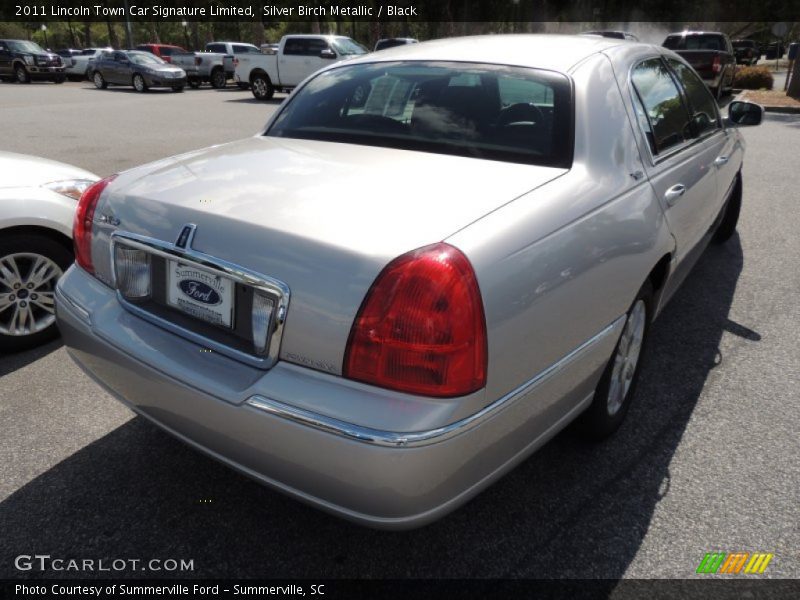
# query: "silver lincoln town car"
{"type": "Point", "coordinates": [430, 261]}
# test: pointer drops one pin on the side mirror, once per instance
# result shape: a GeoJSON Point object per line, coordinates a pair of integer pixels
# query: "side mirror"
{"type": "Point", "coordinates": [327, 53]}
{"type": "Point", "coordinates": [745, 113]}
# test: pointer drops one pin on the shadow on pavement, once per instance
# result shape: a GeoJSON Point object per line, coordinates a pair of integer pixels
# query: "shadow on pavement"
{"type": "Point", "coordinates": [12, 361]}
{"type": "Point", "coordinates": [573, 510]}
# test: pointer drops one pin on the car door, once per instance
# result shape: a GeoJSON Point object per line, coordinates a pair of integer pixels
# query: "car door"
{"type": "Point", "coordinates": [119, 69]}
{"type": "Point", "coordinates": [292, 60]}
{"type": "Point", "coordinates": [728, 153]}
{"type": "Point", "coordinates": [5, 59]}
{"type": "Point", "coordinates": [680, 166]}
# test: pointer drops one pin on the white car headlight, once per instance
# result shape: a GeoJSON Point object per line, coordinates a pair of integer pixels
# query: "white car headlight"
{"type": "Point", "coordinates": [29, 59]}
{"type": "Point", "coordinates": [72, 188]}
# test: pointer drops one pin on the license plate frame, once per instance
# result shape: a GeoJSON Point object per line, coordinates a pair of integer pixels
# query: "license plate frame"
{"type": "Point", "coordinates": [201, 294]}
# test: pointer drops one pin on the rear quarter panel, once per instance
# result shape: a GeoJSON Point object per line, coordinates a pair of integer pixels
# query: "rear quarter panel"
{"type": "Point", "coordinates": [559, 264]}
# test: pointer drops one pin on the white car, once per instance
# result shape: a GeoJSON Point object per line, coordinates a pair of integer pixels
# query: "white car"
{"type": "Point", "coordinates": [81, 64]}
{"type": "Point", "coordinates": [37, 208]}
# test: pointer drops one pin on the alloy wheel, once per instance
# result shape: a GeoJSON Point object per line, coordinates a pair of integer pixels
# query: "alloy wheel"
{"type": "Point", "coordinates": [626, 359]}
{"type": "Point", "coordinates": [27, 293]}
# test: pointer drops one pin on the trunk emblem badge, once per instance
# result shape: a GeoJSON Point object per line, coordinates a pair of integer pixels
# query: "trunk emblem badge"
{"type": "Point", "coordinates": [186, 236]}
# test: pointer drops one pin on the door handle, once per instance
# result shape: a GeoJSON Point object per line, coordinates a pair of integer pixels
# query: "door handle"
{"type": "Point", "coordinates": [672, 194]}
{"type": "Point", "coordinates": [720, 160]}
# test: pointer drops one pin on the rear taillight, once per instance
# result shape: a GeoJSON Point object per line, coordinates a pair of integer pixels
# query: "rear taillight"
{"type": "Point", "coordinates": [421, 328]}
{"type": "Point", "coordinates": [82, 226]}
{"type": "Point", "coordinates": [716, 65]}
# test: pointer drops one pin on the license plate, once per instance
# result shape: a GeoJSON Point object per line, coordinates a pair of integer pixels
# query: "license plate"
{"type": "Point", "coordinates": [200, 293]}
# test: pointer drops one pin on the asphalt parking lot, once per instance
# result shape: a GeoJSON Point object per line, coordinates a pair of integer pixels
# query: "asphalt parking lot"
{"type": "Point", "coordinates": [707, 460]}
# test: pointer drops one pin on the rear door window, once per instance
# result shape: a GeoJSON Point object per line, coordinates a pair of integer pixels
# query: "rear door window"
{"type": "Point", "coordinates": [704, 112]}
{"type": "Point", "coordinates": [665, 110]}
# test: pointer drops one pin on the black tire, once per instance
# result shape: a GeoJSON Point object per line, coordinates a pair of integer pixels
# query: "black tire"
{"type": "Point", "coordinates": [139, 84]}
{"type": "Point", "coordinates": [727, 226]}
{"type": "Point", "coordinates": [261, 86]}
{"type": "Point", "coordinates": [194, 82]}
{"type": "Point", "coordinates": [50, 249]}
{"type": "Point", "coordinates": [218, 80]}
{"type": "Point", "coordinates": [99, 81]}
{"type": "Point", "coordinates": [599, 420]}
{"type": "Point", "coordinates": [21, 74]}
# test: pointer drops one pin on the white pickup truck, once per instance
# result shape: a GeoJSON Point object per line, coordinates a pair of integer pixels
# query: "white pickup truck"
{"type": "Point", "coordinates": [215, 65]}
{"type": "Point", "coordinates": [298, 56]}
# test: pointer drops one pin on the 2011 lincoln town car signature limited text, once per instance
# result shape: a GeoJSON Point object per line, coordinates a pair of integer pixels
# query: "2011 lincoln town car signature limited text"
{"type": "Point", "coordinates": [431, 260]}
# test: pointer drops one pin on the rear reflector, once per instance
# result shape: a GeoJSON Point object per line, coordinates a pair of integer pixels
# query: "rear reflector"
{"type": "Point", "coordinates": [421, 328]}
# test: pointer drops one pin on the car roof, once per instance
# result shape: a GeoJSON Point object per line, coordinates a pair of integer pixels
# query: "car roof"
{"type": "Point", "coordinates": [543, 51]}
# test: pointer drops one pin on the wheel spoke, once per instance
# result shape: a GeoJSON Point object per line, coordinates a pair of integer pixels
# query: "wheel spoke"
{"type": "Point", "coordinates": [42, 271]}
{"type": "Point", "coordinates": [9, 271]}
{"type": "Point", "coordinates": [46, 301]}
{"type": "Point", "coordinates": [5, 302]}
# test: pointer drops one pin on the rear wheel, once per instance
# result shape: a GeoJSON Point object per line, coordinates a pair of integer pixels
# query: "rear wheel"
{"type": "Point", "coordinates": [727, 227]}
{"type": "Point", "coordinates": [617, 386]}
{"type": "Point", "coordinates": [139, 84]}
{"type": "Point", "coordinates": [261, 87]}
{"type": "Point", "coordinates": [59, 79]}
{"type": "Point", "coordinates": [99, 81]}
{"type": "Point", "coordinates": [21, 74]}
{"type": "Point", "coordinates": [218, 80]}
{"type": "Point", "coordinates": [29, 269]}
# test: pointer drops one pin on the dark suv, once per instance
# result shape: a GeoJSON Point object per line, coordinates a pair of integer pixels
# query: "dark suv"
{"type": "Point", "coordinates": [23, 60]}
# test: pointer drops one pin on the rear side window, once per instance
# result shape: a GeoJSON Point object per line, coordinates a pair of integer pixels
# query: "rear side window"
{"type": "Point", "coordinates": [237, 49]}
{"type": "Point", "coordinates": [705, 41]}
{"type": "Point", "coordinates": [466, 109]}
{"type": "Point", "coordinates": [705, 117]}
{"type": "Point", "coordinates": [663, 105]}
{"type": "Point", "coordinates": [296, 47]}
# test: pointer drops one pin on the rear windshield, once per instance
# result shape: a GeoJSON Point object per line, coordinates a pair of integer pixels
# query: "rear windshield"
{"type": "Point", "coordinates": [484, 111]}
{"type": "Point", "coordinates": [699, 41]}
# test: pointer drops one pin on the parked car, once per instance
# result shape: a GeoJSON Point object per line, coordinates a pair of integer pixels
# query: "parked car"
{"type": "Point", "coordinates": [619, 35]}
{"type": "Point", "coordinates": [25, 61]}
{"type": "Point", "coordinates": [710, 54]}
{"type": "Point", "coordinates": [381, 310]}
{"type": "Point", "coordinates": [775, 50]}
{"type": "Point", "coordinates": [83, 63]}
{"type": "Point", "coordinates": [37, 209]}
{"type": "Point", "coordinates": [298, 57]}
{"type": "Point", "coordinates": [215, 65]}
{"type": "Point", "coordinates": [163, 51]}
{"type": "Point", "coordinates": [385, 43]}
{"type": "Point", "coordinates": [142, 70]}
{"type": "Point", "coordinates": [747, 52]}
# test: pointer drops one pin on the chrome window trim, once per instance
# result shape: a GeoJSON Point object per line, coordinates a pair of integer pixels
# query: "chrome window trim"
{"type": "Point", "coordinates": [657, 159]}
{"type": "Point", "coordinates": [412, 439]}
{"type": "Point", "coordinates": [275, 288]}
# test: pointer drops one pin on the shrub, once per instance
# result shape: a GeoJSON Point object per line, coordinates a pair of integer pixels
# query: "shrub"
{"type": "Point", "coordinates": [753, 78]}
